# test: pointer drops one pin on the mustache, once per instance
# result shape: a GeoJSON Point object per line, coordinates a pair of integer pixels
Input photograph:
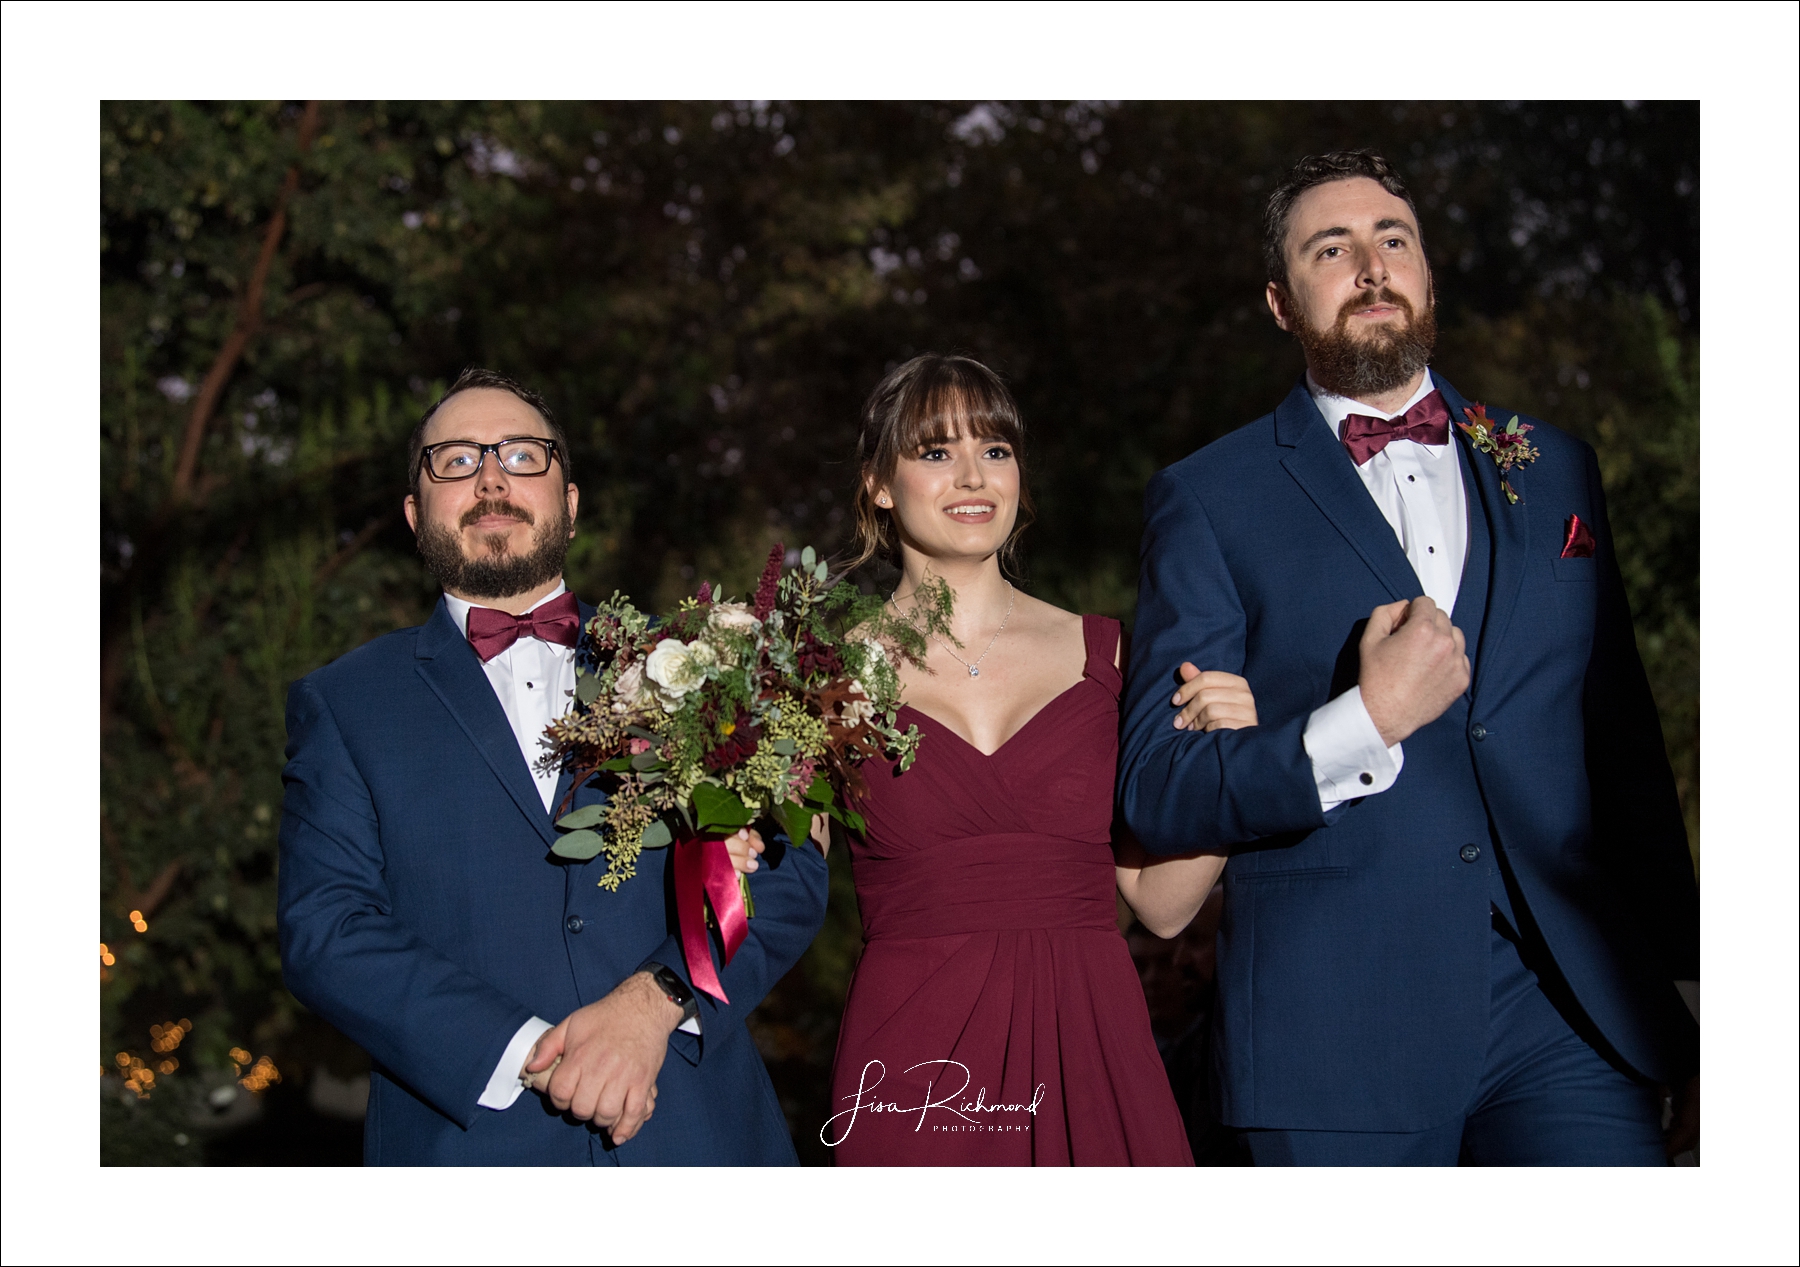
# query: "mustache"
{"type": "Point", "coordinates": [1369, 298]}
{"type": "Point", "coordinates": [494, 506]}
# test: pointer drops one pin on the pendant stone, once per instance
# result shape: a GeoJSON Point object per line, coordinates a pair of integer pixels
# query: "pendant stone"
{"type": "Point", "coordinates": [974, 672]}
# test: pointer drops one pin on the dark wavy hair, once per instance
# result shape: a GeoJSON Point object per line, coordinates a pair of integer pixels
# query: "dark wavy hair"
{"type": "Point", "coordinates": [469, 379]}
{"type": "Point", "coordinates": [929, 400]}
{"type": "Point", "coordinates": [1321, 169]}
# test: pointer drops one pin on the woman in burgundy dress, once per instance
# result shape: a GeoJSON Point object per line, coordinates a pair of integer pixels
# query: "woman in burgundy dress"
{"type": "Point", "coordinates": [995, 1017]}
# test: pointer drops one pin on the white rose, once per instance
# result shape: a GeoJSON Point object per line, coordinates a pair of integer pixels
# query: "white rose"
{"type": "Point", "coordinates": [676, 668]}
{"type": "Point", "coordinates": [736, 617]}
{"type": "Point", "coordinates": [629, 691]}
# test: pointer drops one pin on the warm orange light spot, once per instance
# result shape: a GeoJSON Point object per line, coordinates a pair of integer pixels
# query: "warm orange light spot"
{"type": "Point", "coordinates": [261, 1075]}
{"type": "Point", "coordinates": [106, 955]}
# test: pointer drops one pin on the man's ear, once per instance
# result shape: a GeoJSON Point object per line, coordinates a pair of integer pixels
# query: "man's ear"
{"type": "Point", "coordinates": [572, 495]}
{"type": "Point", "coordinates": [1279, 300]}
{"type": "Point", "coordinates": [411, 507]}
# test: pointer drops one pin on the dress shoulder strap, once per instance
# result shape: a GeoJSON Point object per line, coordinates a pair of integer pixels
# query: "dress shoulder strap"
{"type": "Point", "coordinates": [1102, 633]}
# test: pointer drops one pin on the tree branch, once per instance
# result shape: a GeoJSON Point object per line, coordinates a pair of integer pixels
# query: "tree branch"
{"type": "Point", "coordinates": [329, 568]}
{"type": "Point", "coordinates": [249, 319]}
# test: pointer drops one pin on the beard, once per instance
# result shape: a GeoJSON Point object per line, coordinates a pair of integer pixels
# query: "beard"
{"type": "Point", "coordinates": [499, 573]}
{"type": "Point", "coordinates": [1379, 361]}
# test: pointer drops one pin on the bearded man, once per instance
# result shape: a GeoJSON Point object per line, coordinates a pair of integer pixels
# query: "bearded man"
{"type": "Point", "coordinates": [1459, 906]}
{"type": "Point", "coordinates": [421, 910]}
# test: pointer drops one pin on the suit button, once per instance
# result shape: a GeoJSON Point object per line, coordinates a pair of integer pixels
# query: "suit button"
{"type": "Point", "coordinates": [1468, 853]}
{"type": "Point", "coordinates": [1479, 731]}
{"type": "Point", "coordinates": [574, 922]}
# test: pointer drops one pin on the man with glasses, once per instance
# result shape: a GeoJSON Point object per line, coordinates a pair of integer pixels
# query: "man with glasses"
{"type": "Point", "coordinates": [421, 910]}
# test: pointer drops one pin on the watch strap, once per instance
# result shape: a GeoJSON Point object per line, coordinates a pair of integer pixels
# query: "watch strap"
{"type": "Point", "coordinates": [675, 990]}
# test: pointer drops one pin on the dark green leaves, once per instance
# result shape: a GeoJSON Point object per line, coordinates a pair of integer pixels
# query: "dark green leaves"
{"type": "Point", "coordinates": [719, 809]}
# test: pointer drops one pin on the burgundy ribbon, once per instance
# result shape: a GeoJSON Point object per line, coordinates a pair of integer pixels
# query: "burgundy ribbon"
{"type": "Point", "coordinates": [703, 872]}
{"type": "Point", "coordinates": [491, 631]}
{"type": "Point", "coordinates": [1578, 539]}
{"type": "Point", "coordinates": [1427, 422]}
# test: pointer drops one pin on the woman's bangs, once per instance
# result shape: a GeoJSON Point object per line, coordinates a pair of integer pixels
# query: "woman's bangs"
{"type": "Point", "coordinates": [954, 411]}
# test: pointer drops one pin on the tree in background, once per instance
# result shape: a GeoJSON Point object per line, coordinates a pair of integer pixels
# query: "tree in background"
{"type": "Point", "coordinates": [705, 293]}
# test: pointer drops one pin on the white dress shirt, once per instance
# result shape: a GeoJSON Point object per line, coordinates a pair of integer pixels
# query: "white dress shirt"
{"type": "Point", "coordinates": [534, 681]}
{"type": "Point", "coordinates": [1419, 490]}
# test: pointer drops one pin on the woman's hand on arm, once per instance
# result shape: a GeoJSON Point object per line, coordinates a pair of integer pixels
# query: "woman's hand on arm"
{"type": "Point", "coordinates": [1211, 700]}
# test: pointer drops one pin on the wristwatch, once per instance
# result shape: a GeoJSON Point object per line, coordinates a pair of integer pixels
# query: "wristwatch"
{"type": "Point", "coordinates": [674, 990]}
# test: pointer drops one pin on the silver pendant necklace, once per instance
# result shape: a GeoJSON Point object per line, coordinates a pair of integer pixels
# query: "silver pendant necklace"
{"type": "Point", "coordinates": [974, 667]}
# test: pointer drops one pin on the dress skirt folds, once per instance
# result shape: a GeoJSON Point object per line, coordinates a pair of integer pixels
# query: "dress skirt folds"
{"type": "Point", "coordinates": [996, 1018]}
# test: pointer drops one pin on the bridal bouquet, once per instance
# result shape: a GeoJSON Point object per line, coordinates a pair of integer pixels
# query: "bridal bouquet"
{"type": "Point", "coordinates": [726, 714]}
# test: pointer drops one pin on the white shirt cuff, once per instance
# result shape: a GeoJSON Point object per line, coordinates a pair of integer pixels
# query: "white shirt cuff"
{"type": "Point", "coordinates": [1348, 758]}
{"type": "Point", "coordinates": [504, 1087]}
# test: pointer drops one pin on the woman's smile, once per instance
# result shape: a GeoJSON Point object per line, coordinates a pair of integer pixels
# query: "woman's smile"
{"type": "Point", "coordinates": [972, 511]}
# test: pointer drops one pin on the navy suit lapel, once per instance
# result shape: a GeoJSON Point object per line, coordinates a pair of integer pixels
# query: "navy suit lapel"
{"type": "Point", "coordinates": [1324, 470]}
{"type": "Point", "coordinates": [450, 668]}
{"type": "Point", "coordinates": [1508, 529]}
{"type": "Point", "coordinates": [1472, 592]}
{"type": "Point", "coordinates": [567, 776]}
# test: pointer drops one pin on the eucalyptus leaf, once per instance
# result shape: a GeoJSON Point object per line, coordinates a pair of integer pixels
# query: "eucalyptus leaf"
{"type": "Point", "coordinates": [657, 835]}
{"type": "Point", "coordinates": [586, 816]}
{"type": "Point", "coordinates": [652, 776]}
{"type": "Point", "coordinates": [645, 761]}
{"type": "Point", "coordinates": [587, 688]}
{"type": "Point", "coordinates": [821, 572]}
{"type": "Point", "coordinates": [808, 558]}
{"type": "Point", "coordinates": [578, 845]}
{"type": "Point", "coordinates": [641, 733]}
{"type": "Point", "coordinates": [786, 747]}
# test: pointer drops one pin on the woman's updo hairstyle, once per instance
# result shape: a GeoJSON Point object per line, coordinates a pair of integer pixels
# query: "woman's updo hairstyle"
{"type": "Point", "coordinates": [930, 400]}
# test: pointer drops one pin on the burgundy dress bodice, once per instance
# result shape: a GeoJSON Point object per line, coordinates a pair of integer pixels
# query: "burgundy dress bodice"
{"type": "Point", "coordinates": [995, 1017]}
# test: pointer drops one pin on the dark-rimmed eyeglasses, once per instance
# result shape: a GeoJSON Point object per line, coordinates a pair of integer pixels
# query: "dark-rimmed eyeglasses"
{"type": "Point", "coordinates": [462, 459]}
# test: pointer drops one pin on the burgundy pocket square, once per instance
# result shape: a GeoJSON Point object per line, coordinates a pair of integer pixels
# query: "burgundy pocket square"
{"type": "Point", "coordinates": [1578, 539]}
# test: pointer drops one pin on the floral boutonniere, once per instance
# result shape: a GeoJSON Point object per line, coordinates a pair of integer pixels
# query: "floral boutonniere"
{"type": "Point", "coordinates": [1507, 446]}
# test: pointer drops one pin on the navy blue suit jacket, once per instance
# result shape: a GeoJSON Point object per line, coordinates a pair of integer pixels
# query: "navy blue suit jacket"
{"type": "Point", "coordinates": [422, 914]}
{"type": "Point", "coordinates": [1354, 947]}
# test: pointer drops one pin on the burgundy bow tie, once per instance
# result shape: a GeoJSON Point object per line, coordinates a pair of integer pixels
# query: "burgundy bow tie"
{"type": "Point", "coordinates": [1427, 422]}
{"type": "Point", "coordinates": [491, 631]}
